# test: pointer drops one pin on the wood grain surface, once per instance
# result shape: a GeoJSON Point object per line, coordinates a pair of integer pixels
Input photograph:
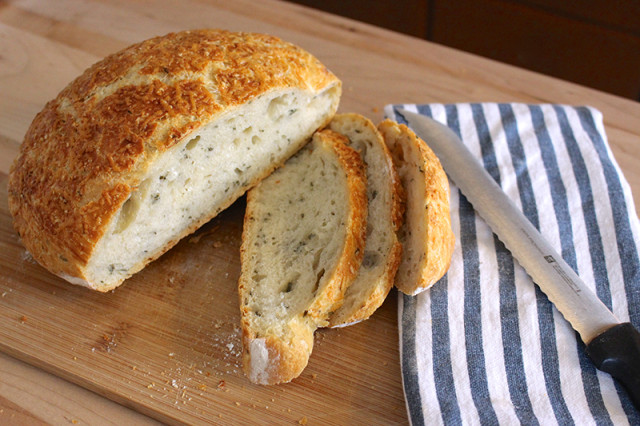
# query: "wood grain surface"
{"type": "Point", "coordinates": [166, 344]}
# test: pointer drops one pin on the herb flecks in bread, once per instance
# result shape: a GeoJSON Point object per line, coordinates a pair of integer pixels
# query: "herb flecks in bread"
{"type": "Point", "coordinates": [302, 244]}
{"type": "Point", "coordinates": [153, 141]}
{"type": "Point", "coordinates": [382, 251]}
{"type": "Point", "coordinates": [426, 235]}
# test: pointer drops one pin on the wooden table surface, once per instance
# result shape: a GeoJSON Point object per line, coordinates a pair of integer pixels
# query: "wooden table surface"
{"type": "Point", "coordinates": [353, 375]}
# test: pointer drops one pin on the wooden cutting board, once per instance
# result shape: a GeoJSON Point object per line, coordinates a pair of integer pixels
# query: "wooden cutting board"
{"type": "Point", "coordinates": [167, 342]}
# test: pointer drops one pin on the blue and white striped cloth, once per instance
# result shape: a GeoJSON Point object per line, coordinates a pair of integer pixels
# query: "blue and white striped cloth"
{"type": "Point", "coordinates": [484, 345]}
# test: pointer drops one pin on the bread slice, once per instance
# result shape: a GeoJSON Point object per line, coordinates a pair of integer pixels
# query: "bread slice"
{"type": "Point", "coordinates": [426, 235]}
{"type": "Point", "coordinates": [382, 250]}
{"type": "Point", "coordinates": [302, 243]}
{"type": "Point", "coordinates": [153, 141]}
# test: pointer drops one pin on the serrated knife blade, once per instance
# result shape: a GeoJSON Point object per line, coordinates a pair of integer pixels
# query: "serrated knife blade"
{"type": "Point", "coordinates": [613, 346]}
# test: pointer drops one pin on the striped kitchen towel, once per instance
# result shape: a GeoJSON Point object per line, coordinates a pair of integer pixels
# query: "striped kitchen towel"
{"type": "Point", "coordinates": [484, 345]}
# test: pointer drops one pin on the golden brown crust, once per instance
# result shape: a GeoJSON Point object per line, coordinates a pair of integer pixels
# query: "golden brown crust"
{"type": "Point", "coordinates": [353, 250]}
{"type": "Point", "coordinates": [440, 238]}
{"type": "Point", "coordinates": [384, 283]}
{"type": "Point", "coordinates": [379, 295]}
{"type": "Point", "coordinates": [395, 255]}
{"type": "Point", "coordinates": [270, 360]}
{"type": "Point", "coordinates": [273, 359]}
{"type": "Point", "coordinates": [87, 149]}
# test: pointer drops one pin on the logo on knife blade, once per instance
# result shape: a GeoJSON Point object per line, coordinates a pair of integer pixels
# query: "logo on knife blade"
{"type": "Point", "coordinates": [549, 259]}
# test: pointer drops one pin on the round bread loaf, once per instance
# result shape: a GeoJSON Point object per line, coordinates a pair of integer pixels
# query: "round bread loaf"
{"type": "Point", "coordinates": [153, 141]}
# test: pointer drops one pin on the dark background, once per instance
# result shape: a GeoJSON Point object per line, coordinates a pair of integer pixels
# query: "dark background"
{"type": "Point", "coordinates": [594, 43]}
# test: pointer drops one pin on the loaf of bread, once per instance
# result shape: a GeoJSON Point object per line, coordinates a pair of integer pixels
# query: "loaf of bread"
{"type": "Point", "coordinates": [153, 141]}
{"type": "Point", "coordinates": [382, 250]}
{"type": "Point", "coordinates": [302, 244]}
{"type": "Point", "coordinates": [426, 235]}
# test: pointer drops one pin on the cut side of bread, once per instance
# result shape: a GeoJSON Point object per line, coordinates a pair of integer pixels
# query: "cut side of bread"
{"type": "Point", "coordinates": [382, 250]}
{"type": "Point", "coordinates": [153, 141]}
{"type": "Point", "coordinates": [426, 234]}
{"type": "Point", "coordinates": [302, 244]}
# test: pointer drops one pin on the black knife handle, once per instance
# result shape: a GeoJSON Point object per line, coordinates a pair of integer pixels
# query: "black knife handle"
{"type": "Point", "coordinates": [617, 352]}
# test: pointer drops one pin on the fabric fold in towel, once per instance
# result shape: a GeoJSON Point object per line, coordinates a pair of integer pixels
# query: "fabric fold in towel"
{"type": "Point", "coordinates": [484, 345]}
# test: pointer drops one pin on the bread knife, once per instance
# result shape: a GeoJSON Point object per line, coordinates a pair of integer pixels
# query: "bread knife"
{"type": "Point", "coordinates": [612, 345]}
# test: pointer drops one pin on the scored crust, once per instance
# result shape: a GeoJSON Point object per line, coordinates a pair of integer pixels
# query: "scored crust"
{"type": "Point", "coordinates": [427, 238]}
{"type": "Point", "coordinates": [88, 149]}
